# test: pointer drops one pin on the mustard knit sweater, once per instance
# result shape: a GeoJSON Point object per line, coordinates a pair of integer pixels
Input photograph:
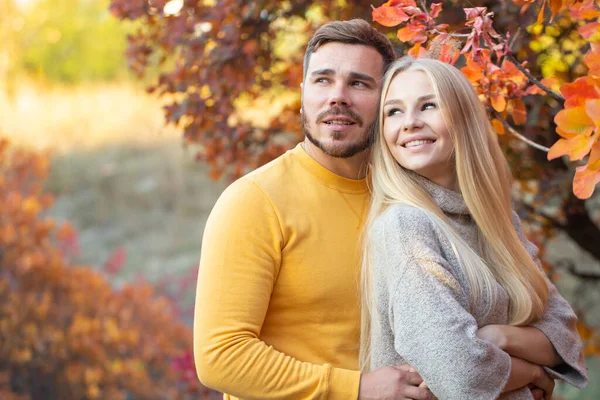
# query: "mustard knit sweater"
{"type": "Point", "coordinates": [277, 311]}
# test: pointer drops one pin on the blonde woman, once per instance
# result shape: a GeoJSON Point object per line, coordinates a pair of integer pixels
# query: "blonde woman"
{"type": "Point", "coordinates": [449, 283]}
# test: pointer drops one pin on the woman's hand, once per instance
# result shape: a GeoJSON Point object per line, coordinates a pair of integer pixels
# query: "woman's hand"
{"type": "Point", "coordinates": [544, 382]}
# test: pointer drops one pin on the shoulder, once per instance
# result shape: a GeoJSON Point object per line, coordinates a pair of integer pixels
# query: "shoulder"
{"type": "Point", "coordinates": [407, 229]}
{"type": "Point", "coordinates": [405, 219]}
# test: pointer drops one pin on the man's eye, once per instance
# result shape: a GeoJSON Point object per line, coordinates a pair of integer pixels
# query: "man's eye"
{"type": "Point", "coordinates": [321, 80]}
{"type": "Point", "coordinates": [358, 83]}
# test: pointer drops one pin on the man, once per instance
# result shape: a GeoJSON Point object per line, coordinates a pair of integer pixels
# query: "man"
{"type": "Point", "coordinates": [277, 310]}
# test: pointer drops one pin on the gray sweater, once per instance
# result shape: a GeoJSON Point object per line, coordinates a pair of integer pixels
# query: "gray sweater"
{"type": "Point", "coordinates": [427, 320]}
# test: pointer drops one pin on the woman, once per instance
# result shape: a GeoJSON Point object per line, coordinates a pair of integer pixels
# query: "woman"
{"type": "Point", "coordinates": [449, 283]}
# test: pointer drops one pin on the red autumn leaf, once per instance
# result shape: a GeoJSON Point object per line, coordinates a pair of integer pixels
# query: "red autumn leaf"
{"type": "Point", "coordinates": [577, 92]}
{"type": "Point", "coordinates": [583, 10]}
{"type": "Point", "coordinates": [589, 29]}
{"type": "Point", "coordinates": [389, 16]}
{"type": "Point", "coordinates": [436, 8]}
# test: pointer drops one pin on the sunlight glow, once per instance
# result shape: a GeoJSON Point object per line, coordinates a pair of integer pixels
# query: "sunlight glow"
{"type": "Point", "coordinates": [173, 7]}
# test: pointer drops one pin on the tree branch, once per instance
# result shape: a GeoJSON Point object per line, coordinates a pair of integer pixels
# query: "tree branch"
{"type": "Point", "coordinates": [534, 80]}
{"type": "Point", "coordinates": [517, 134]}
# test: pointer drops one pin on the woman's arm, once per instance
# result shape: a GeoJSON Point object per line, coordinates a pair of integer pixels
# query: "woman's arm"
{"type": "Point", "coordinates": [524, 342]}
{"type": "Point", "coordinates": [429, 314]}
{"type": "Point", "coordinates": [522, 373]}
{"type": "Point", "coordinates": [559, 325]}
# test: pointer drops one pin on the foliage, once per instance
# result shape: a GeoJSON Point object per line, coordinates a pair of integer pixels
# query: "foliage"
{"type": "Point", "coordinates": [65, 333]}
{"type": "Point", "coordinates": [521, 56]}
{"type": "Point", "coordinates": [69, 41]}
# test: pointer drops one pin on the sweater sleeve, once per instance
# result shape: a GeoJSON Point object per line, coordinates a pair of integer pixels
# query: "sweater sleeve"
{"type": "Point", "coordinates": [559, 324]}
{"type": "Point", "coordinates": [241, 255]}
{"type": "Point", "coordinates": [433, 329]}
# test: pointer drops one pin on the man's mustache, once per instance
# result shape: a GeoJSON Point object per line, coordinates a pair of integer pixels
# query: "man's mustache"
{"type": "Point", "coordinates": [340, 111]}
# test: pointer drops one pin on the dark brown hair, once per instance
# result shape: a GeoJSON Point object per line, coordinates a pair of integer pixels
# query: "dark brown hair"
{"type": "Point", "coordinates": [355, 31]}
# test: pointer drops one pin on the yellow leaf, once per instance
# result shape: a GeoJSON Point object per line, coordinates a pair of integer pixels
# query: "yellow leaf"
{"type": "Point", "coordinates": [576, 148]}
{"type": "Point", "coordinates": [498, 102]}
{"type": "Point", "coordinates": [574, 120]}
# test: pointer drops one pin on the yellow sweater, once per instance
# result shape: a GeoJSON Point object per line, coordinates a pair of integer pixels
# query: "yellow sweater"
{"type": "Point", "coordinates": [277, 313]}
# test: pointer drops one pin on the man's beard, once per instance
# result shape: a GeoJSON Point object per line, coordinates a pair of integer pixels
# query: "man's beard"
{"type": "Point", "coordinates": [342, 150]}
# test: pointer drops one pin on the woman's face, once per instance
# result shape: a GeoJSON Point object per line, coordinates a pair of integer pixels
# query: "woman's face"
{"type": "Point", "coordinates": [414, 129]}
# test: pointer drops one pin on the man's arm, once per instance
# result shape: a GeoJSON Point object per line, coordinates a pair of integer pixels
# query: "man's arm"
{"type": "Point", "coordinates": [241, 255]}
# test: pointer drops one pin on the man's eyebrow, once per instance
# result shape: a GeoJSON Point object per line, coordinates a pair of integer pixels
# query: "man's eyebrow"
{"type": "Point", "coordinates": [398, 101]}
{"type": "Point", "coordinates": [351, 75]}
{"type": "Point", "coordinates": [324, 71]}
{"type": "Point", "coordinates": [362, 77]}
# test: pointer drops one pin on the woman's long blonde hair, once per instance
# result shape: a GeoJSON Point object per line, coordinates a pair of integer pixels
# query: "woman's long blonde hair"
{"type": "Point", "coordinates": [484, 180]}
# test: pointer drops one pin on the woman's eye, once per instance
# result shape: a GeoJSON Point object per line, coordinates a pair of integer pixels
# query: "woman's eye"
{"type": "Point", "coordinates": [428, 106]}
{"type": "Point", "coordinates": [393, 111]}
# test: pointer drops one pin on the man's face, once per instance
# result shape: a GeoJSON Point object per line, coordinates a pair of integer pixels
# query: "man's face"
{"type": "Point", "coordinates": [340, 96]}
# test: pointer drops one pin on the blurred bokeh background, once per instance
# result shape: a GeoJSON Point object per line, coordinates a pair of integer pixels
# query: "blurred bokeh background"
{"type": "Point", "coordinates": [130, 198]}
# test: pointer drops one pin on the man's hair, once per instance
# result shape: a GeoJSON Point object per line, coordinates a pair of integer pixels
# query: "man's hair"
{"type": "Point", "coordinates": [355, 31]}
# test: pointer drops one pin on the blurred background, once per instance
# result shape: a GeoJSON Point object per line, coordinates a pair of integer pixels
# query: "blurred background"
{"type": "Point", "coordinates": [107, 182]}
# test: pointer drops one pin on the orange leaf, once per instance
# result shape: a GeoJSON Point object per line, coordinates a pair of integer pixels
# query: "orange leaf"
{"type": "Point", "coordinates": [555, 6]}
{"type": "Point", "coordinates": [498, 101]}
{"type": "Point", "coordinates": [389, 16]}
{"type": "Point", "coordinates": [498, 126]}
{"type": "Point", "coordinates": [594, 160]}
{"type": "Point", "coordinates": [540, 18]}
{"type": "Point", "coordinates": [574, 120]}
{"type": "Point", "coordinates": [592, 59]}
{"type": "Point", "coordinates": [585, 182]}
{"type": "Point", "coordinates": [472, 70]}
{"type": "Point", "coordinates": [592, 108]}
{"type": "Point", "coordinates": [417, 51]}
{"type": "Point", "coordinates": [519, 112]}
{"type": "Point", "coordinates": [576, 148]}
{"type": "Point", "coordinates": [577, 92]}
{"type": "Point", "coordinates": [405, 34]}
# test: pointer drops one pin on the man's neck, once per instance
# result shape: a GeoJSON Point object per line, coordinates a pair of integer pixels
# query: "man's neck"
{"type": "Point", "coordinates": [354, 167]}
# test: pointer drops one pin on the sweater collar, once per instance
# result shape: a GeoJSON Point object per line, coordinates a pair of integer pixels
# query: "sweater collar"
{"type": "Point", "coordinates": [330, 179]}
{"type": "Point", "coordinates": [449, 201]}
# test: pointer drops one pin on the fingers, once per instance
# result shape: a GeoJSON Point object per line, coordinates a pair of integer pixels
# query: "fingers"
{"type": "Point", "coordinates": [537, 393]}
{"type": "Point", "coordinates": [545, 383]}
{"type": "Point", "coordinates": [408, 375]}
{"type": "Point", "coordinates": [416, 393]}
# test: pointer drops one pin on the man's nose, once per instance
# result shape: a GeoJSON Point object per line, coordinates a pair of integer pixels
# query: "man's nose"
{"type": "Point", "coordinates": [340, 96]}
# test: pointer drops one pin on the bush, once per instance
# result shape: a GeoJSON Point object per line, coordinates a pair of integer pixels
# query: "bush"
{"type": "Point", "coordinates": [65, 332]}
